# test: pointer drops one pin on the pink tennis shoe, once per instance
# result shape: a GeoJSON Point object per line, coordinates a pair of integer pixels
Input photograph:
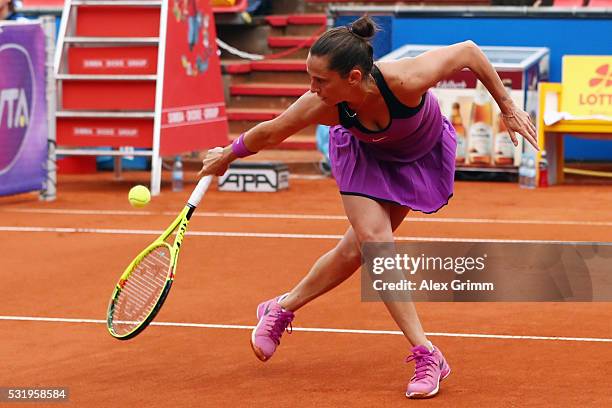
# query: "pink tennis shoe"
{"type": "Point", "coordinates": [430, 368]}
{"type": "Point", "coordinates": [273, 321]}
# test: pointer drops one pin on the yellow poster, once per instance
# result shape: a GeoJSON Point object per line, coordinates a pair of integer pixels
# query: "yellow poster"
{"type": "Point", "coordinates": [587, 85]}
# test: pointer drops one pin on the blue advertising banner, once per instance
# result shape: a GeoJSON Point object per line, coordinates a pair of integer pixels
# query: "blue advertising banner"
{"type": "Point", "coordinates": [23, 108]}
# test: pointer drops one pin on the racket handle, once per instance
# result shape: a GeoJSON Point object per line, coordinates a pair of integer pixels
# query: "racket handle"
{"type": "Point", "coordinates": [199, 191]}
{"type": "Point", "coordinates": [203, 184]}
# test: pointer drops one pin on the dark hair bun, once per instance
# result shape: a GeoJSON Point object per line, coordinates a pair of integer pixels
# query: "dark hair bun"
{"type": "Point", "coordinates": [364, 27]}
{"type": "Point", "coordinates": [348, 46]}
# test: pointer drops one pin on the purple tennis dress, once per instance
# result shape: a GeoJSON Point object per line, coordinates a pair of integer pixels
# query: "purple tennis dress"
{"type": "Point", "coordinates": [410, 163]}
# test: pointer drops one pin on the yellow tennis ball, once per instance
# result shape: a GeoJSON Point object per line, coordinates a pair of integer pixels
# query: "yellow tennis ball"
{"type": "Point", "coordinates": [139, 196]}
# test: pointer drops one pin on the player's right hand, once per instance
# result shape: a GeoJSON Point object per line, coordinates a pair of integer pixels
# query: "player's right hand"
{"type": "Point", "coordinates": [216, 161]}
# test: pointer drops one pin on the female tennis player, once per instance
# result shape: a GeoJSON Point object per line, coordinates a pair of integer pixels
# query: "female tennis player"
{"type": "Point", "coordinates": [391, 151]}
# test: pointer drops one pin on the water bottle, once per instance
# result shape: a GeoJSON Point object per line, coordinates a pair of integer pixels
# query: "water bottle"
{"type": "Point", "coordinates": [543, 168]}
{"type": "Point", "coordinates": [522, 171]}
{"type": "Point", "coordinates": [531, 173]}
{"type": "Point", "coordinates": [177, 175]}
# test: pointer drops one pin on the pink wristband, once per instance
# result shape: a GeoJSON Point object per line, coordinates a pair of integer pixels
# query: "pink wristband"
{"type": "Point", "coordinates": [239, 148]}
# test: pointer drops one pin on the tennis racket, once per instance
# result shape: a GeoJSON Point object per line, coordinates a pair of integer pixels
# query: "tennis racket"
{"type": "Point", "coordinates": [145, 283]}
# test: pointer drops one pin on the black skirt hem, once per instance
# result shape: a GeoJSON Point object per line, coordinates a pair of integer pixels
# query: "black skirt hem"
{"type": "Point", "coordinates": [350, 193]}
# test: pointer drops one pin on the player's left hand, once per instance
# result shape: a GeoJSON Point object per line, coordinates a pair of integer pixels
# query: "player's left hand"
{"type": "Point", "coordinates": [519, 121]}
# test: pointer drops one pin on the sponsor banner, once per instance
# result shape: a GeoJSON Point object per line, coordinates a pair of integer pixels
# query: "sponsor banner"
{"type": "Point", "coordinates": [105, 132]}
{"type": "Point", "coordinates": [113, 61]}
{"type": "Point", "coordinates": [193, 115]}
{"type": "Point", "coordinates": [23, 109]}
{"type": "Point", "coordinates": [482, 138]}
{"type": "Point", "coordinates": [587, 85]}
{"type": "Point", "coordinates": [193, 111]}
{"type": "Point", "coordinates": [487, 272]}
{"type": "Point", "coordinates": [466, 79]}
{"type": "Point", "coordinates": [255, 177]}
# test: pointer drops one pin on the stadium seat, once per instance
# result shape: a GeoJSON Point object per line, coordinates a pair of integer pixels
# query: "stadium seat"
{"type": "Point", "coordinates": [600, 3]}
{"type": "Point", "coordinates": [568, 3]}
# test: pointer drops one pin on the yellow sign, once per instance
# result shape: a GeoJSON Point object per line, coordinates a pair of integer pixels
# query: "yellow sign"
{"type": "Point", "coordinates": [587, 85]}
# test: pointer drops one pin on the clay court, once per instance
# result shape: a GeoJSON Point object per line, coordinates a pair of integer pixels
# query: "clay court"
{"type": "Point", "coordinates": [62, 259]}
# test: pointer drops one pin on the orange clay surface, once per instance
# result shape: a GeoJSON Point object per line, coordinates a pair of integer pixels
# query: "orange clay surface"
{"type": "Point", "coordinates": [221, 279]}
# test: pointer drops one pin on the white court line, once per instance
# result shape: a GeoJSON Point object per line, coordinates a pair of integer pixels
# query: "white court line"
{"type": "Point", "coordinates": [77, 230]}
{"type": "Point", "coordinates": [310, 217]}
{"type": "Point", "coordinates": [317, 329]}
{"type": "Point", "coordinates": [307, 176]}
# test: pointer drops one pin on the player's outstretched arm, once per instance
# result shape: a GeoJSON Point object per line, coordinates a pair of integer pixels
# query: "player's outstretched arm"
{"type": "Point", "coordinates": [425, 71]}
{"type": "Point", "coordinates": [307, 110]}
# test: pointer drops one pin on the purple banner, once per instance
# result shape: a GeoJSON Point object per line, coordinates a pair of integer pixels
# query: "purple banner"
{"type": "Point", "coordinates": [23, 108]}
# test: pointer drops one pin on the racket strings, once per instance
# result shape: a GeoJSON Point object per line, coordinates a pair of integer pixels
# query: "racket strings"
{"type": "Point", "coordinates": [141, 291]}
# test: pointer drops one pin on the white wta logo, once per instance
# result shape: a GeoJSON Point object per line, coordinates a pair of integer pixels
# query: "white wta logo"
{"type": "Point", "coordinates": [16, 102]}
{"type": "Point", "coordinates": [14, 110]}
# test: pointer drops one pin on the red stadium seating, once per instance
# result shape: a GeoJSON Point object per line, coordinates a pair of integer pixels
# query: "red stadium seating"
{"type": "Point", "coordinates": [567, 3]}
{"type": "Point", "coordinates": [600, 3]}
